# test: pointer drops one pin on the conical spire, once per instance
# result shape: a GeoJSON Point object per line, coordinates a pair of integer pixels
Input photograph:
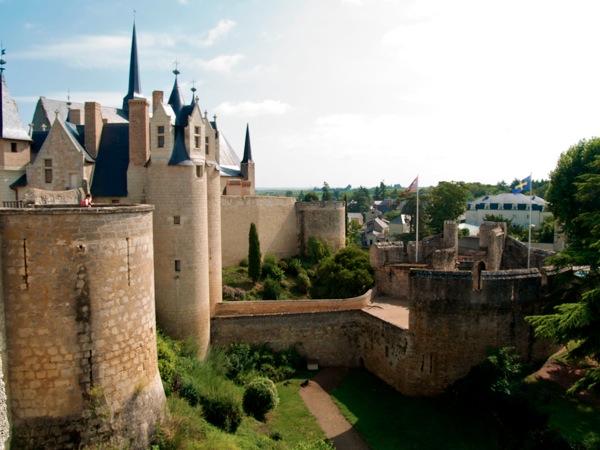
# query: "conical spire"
{"type": "Point", "coordinates": [11, 126]}
{"type": "Point", "coordinates": [247, 149]}
{"type": "Point", "coordinates": [135, 87]}
{"type": "Point", "coordinates": [176, 99]}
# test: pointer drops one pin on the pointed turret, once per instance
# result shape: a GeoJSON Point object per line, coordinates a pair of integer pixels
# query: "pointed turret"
{"type": "Point", "coordinates": [176, 98]}
{"type": "Point", "coordinates": [247, 148]}
{"type": "Point", "coordinates": [247, 165]}
{"type": "Point", "coordinates": [11, 126]}
{"type": "Point", "coordinates": [135, 87]}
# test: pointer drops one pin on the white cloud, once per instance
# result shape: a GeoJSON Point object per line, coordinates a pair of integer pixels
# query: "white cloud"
{"type": "Point", "coordinates": [87, 52]}
{"type": "Point", "coordinates": [212, 36]}
{"type": "Point", "coordinates": [222, 63]}
{"type": "Point", "coordinates": [253, 109]}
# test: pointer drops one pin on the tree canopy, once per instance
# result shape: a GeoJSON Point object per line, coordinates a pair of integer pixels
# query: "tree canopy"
{"type": "Point", "coordinates": [345, 275]}
{"type": "Point", "coordinates": [447, 201]}
{"type": "Point", "coordinates": [574, 195]}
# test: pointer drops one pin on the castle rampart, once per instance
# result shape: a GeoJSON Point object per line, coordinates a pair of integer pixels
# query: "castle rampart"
{"type": "Point", "coordinates": [78, 295]}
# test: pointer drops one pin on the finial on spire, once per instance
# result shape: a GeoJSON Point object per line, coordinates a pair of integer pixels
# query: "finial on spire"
{"type": "Point", "coordinates": [56, 112]}
{"type": "Point", "coordinates": [69, 98]}
{"type": "Point", "coordinates": [205, 113]}
{"type": "Point", "coordinates": [176, 72]}
{"type": "Point", "coordinates": [134, 11]}
{"type": "Point", "coordinates": [2, 61]}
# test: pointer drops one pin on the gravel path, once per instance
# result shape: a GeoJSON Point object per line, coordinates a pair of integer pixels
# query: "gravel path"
{"type": "Point", "coordinates": [330, 419]}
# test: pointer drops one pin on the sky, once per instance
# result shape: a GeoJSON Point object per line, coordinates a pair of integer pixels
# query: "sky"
{"type": "Point", "coordinates": [338, 91]}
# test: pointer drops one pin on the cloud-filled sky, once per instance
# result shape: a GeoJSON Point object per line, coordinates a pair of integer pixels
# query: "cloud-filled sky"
{"type": "Point", "coordinates": [338, 91]}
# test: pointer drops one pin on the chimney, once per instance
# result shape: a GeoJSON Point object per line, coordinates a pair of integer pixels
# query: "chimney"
{"type": "Point", "coordinates": [139, 131]}
{"type": "Point", "coordinates": [76, 116]}
{"type": "Point", "coordinates": [157, 98]}
{"type": "Point", "coordinates": [93, 127]}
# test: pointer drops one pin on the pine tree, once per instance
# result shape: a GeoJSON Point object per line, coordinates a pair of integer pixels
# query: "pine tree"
{"type": "Point", "coordinates": [574, 192]}
{"type": "Point", "coordinates": [254, 256]}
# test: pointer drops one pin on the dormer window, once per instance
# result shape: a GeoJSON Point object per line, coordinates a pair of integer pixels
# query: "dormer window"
{"type": "Point", "coordinates": [196, 137]}
{"type": "Point", "coordinates": [206, 145]}
{"type": "Point", "coordinates": [48, 170]}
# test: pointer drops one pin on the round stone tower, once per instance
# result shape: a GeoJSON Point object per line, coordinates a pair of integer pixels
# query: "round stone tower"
{"type": "Point", "coordinates": [78, 294]}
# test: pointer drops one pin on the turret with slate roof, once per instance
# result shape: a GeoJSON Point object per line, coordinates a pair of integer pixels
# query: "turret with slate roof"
{"type": "Point", "coordinates": [135, 87]}
{"type": "Point", "coordinates": [247, 166]}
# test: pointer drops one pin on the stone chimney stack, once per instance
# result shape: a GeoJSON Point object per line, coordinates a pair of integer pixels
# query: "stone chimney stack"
{"type": "Point", "coordinates": [93, 127]}
{"type": "Point", "coordinates": [157, 98]}
{"type": "Point", "coordinates": [139, 131]}
{"type": "Point", "coordinates": [76, 116]}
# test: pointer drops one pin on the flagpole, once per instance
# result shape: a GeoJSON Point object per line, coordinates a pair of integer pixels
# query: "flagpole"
{"type": "Point", "coordinates": [530, 215]}
{"type": "Point", "coordinates": [417, 227]}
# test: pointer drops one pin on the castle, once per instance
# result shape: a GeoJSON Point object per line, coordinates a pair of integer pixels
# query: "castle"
{"type": "Point", "coordinates": [172, 204]}
{"type": "Point", "coordinates": [82, 289]}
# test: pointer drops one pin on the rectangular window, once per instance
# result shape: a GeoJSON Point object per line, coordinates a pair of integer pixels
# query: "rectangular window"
{"type": "Point", "coordinates": [161, 141]}
{"type": "Point", "coordinates": [115, 201]}
{"type": "Point", "coordinates": [48, 170]}
{"type": "Point", "coordinates": [161, 129]}
{"type": "Point", "coordinates": [196, 141]}
{"type": "Point", "coordinates": [13, 147]}
{"type": "Point", "coordinates": [177, 265]}
{"type": "Point", "coordinates": [196, 130]}
{"type": "Point", "coordinates": [206, 145]}
{"type": "Point", "coordinates": [176, 220]}
{"type": "Point", "coordinates": [199, 171]}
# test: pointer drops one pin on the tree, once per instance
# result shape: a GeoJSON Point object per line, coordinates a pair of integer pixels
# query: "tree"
{"type": "Point", "coordinates": [361, 200]}
{"type": "Point", "coordinates": [326, 193]}
{"type": "Point", "coordinates": [447, 201]}
{"type": "Point", "coordinates": [382, 191]}
{"type": "Point", "coordinates": [345, 275]}
{"type": "Point", "coordinates": [254, 256]}
{"type": "Point", "coordinates": [574, 194]}
{"type": "Point", "coordinates": [311, 196]}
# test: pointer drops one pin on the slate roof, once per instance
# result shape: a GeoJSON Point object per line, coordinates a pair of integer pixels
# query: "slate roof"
{"type": "Point", "coordinates": [135, 87]}
{"type": "Point", "coordinates": [45, 112]}
{"type": "Point", "coordinates": [228, 159]}
{"type": "Point", "coordinates": [110, 171]}
{"type": "Point", "coordinates": [11, 126]}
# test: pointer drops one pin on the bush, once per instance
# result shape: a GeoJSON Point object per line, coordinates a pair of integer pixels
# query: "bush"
{"type": "Point", "coordinates": [303, 282]}
{"type": "Point", "coordinates": [271, 289]}
{"type": "Point", "coordinates": [294, 266]}
{"type": "Point", "coordinates": [271, 269]}
{"type": "Point", "coordinates": [345, 275]}
{"type": "Point", "coordinates": [260, 397]}
{"type": "Point", "coordinates": [317, 249]}
{"type": "Point", "coordinates": [167, 363]}
{"type": "Point", "coordinates": [233, 294]}
{"type": "Point", "coordinates": [223, 412]}
{"type": "Point", "coordinates": [247, 362]}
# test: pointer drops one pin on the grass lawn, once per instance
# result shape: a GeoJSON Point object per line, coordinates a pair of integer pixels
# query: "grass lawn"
{"type": "Point", "coordinates": [388, 420]}
{"type": "Point", "coordinates": [577, 420]}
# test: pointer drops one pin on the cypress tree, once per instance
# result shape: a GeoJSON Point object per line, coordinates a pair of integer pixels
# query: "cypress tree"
{"type": "Point", "coordinates": [254, 256]}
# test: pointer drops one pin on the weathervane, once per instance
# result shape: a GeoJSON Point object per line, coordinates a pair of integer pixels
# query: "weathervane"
{"type": "Point", "coordinates": [176, 72]}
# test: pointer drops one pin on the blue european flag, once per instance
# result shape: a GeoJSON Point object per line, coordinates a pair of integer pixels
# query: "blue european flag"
{"type": "Point", "coordinates": [523, 185]}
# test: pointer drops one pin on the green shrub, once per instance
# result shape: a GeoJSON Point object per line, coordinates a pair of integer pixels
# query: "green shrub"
{"type": "Point", "coordinates": [303, 282]}
{"type": "Point", "coordinates": [271, 289]}
{"type": "Point", "coordinates": [260, 397]}
{"type": "Point", "coordinates": [245, 363]}
{"type": "Point", "coordinates": [294, 266]}
{"type": "Point", "coordinates": [322, 444]}
{"type": "Point", "coordinates": [223, 412]}
{"type": "Point", "coordinates": [317, 249]}
{"type": "Point", "coordinates": [167, 363]}
{"type": "Point", "coordinates": [271, 269]}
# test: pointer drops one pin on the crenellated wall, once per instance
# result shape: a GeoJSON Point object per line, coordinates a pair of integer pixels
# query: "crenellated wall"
{"type": "Point", "coordinates": [451, 326]}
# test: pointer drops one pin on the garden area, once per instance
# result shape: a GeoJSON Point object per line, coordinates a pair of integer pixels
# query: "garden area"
{"type": "Point", "coordinates": [318, 274]}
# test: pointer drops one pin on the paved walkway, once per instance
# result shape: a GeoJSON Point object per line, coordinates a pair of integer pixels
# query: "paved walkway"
{"type": "Point", "coordinates": [330, 419]}
{"type": "Point", "coordinates": [391, 310]}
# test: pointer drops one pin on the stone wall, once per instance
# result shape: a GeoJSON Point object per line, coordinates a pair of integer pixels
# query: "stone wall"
{"type": "Point", "coordinates": [323, 220]}
{"type": "Point", "coordinates": [80, 326]}
{"type": "Point", "coordinates": [275, 221]}
{"type": "Point", "coordinates": [329, 337]}
{"type": "Point", "coordinates": [454, 324]}
{"type": "Point", "coordinates": [262, 307]}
